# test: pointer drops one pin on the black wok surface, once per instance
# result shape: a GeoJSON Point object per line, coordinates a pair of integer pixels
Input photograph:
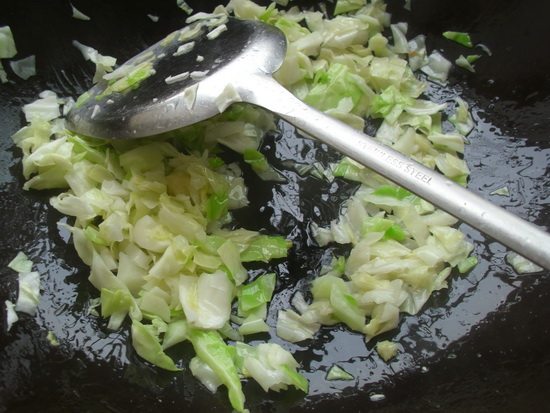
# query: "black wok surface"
{"type": "Point", "coordinates": [480, 346]}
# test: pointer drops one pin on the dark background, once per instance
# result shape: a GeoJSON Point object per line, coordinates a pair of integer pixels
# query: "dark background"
{"type": "Point", "coordinates": [480, 346]}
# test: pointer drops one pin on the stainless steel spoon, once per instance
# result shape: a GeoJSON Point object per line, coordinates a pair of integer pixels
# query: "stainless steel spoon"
{"type": "Point", "coordinates": [200, 70]}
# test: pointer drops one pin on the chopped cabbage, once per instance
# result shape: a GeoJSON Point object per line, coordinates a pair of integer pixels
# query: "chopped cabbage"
{"type": "Point", "coordinates": [182, 4]}
{"type": "Point", "coordinates": [206, 300]}
{"type": "Point", "coordinates": [151, 217]}
{"type": "Point", "coordinates": [417, 52]}
{"type": "Point", "coordinates": [116, 305]}
{"type": "Point", "coordinates": [3, 75]}
{"type": "Point", "coordinates": [132, 79]}
{"type": "Point", "coordinates": [271, 366]}
{"type": "Point", "coordinates": [11, 315]}
{"type": "Point", "coordinates": [399, 31]}
{"type": "Point", "coordinates": [205, 374]}
{"type": "Point", "coordinates": [104, 64]}
{"type": "Point", "coordinates": [7, 43]}
{"type": "Point", "coordinates": [260, 165]}
{"type": "Point", "coordinates": [256, 293]}
{"type": "Point", "coordinates": [176, 332]}
{"type": "Point", "coordinates": [212, 350]}
{"type": "Point", "coordinates": [24, 68]}
{"type": "Point", "coordinates": [338, 373]}
{"type": "Point", "coordinates": [77, 14]}
{"type": "Point", "coordinates": [45, 109]}
{"type": "Point", "coordinates": [467, 264]}
{"type": "Point", "coordinates": [52, 339]}
{"type": "Point", "coordinates": [520, 264]}
{"type": "Point", "coordinates": [437, 67]}
{"type": "Point", "coordinates": [29, 288]}
{"type": "Point", "coordinates": [294, 328]}
{"type": "Point", "coordinates": [20, 263]}
{"type": "Point", "coordinates": [345, 6]}
{"type": "Point", "coordinates": [466, 62]}
{"type": "Point", "coordinates": [504, 191]}
{"type": "Point", "coordinates": [484, 48]}
{"type": "Point", "coordinates": [472, 58]}
{"type": "Point", "coordinates": [386, 349]}
{"type": "Point", "coordinates": [29, 292]}
{"type": "Point", "coordinates": [252, 304]}
{"type": "Point", "coordinates": [189, 96]}
{"type": "Point", "coordinates": [377, 397]}
{"type": "Point", "coordinates": [147, 345]}
{"type": "Point", "coordinates": [184, 48]}
{"type": "Point", "coordinates": [265, 248]}
{"type": "Point", "coordinates": [214, 33]}
{"type": "Point", "coordinates": [461, 119]}
{"type": "Point", "coordinates": [228, 96]}
{"type": "Point", "coordinates": [459, 37]}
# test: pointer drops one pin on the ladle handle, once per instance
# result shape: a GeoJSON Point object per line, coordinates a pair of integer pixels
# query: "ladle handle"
{"type": "Point", "coordinates": [505, 227]}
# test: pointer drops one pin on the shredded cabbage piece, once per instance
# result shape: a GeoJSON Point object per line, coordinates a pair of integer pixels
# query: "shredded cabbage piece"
{"type": "Point", "coordinates": [52, 339]}
{"type": "Point", "coordinates": [437, 67]}
{"type": "Point", "coordinates": [29, 288]}
{"type": "Point", "coordinates": [182, 4]}
{"type": "Point", "coordinates": [104, 64]}
{"type": "Point", "coordinates": [176, 78]}
{"type": "Point", "coordinates": [3, 75]}
{"type": "Point", "coordinates": [417, 52]}
{"type": "Point", "coordinates": [459, 37]}
{"type": "Point", "coordinates": [521, 264]}
{"type": "Point", "coordinates": [147, 345]}
{"type": "Point", "coordinates": [24, 68]}
{"type": "Point", "coordinates": [503, 191]}
{"type": "Point", "coordinates": [462, 119]}
{"type": "Point", "coordinates": [21, 263]}
{"type": "Point", "coordinates": [77, 14]}
{"type": "Point", "coordinates": [218, 356]}
{"type": "Point", "coordinates": [29, 292]}
{"type": "Point", "coordinates": [184, 48]}
{"type": "Point", "coordinates": [294, 327]}
{"type": "Point", "coordinates": [377, 397]}
{"type": "Point", "coordinates": [271, 366]}
{"type": "Point", "coordinates": [467, 264]}
{"type": "Point", "coordinates": [205, 374]}
{"type": "Point", "coordinates": [7, 43]}
{"type": "Point", "coordinates": [11, 315]}
{"type": "Point", "coordinates": [345, 6]}
{"type": "Point", "coordinates": [338, 373]}
{"type": "Point", "coordinates": [472, 58]}
{"type": "Point", "coordinates": [485, 48]}
{"type": "Point", "coordinates": [44, 109]}
{"type": "Point", "coordinates": [228, 96]}
{"type": "Point", "coordinates": [466, 62]}
{"type": "Point", "coordinates": [386, 349]}
{"type": "Point", "coordinates": [216, 32]}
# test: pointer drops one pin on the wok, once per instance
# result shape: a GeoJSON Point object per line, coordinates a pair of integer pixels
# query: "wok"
{"type": "Point", "coordinates": [479, 346]}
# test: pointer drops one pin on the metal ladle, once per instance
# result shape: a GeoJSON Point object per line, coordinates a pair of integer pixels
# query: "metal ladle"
{"type": "Point", "coordinates": [236, 65]}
